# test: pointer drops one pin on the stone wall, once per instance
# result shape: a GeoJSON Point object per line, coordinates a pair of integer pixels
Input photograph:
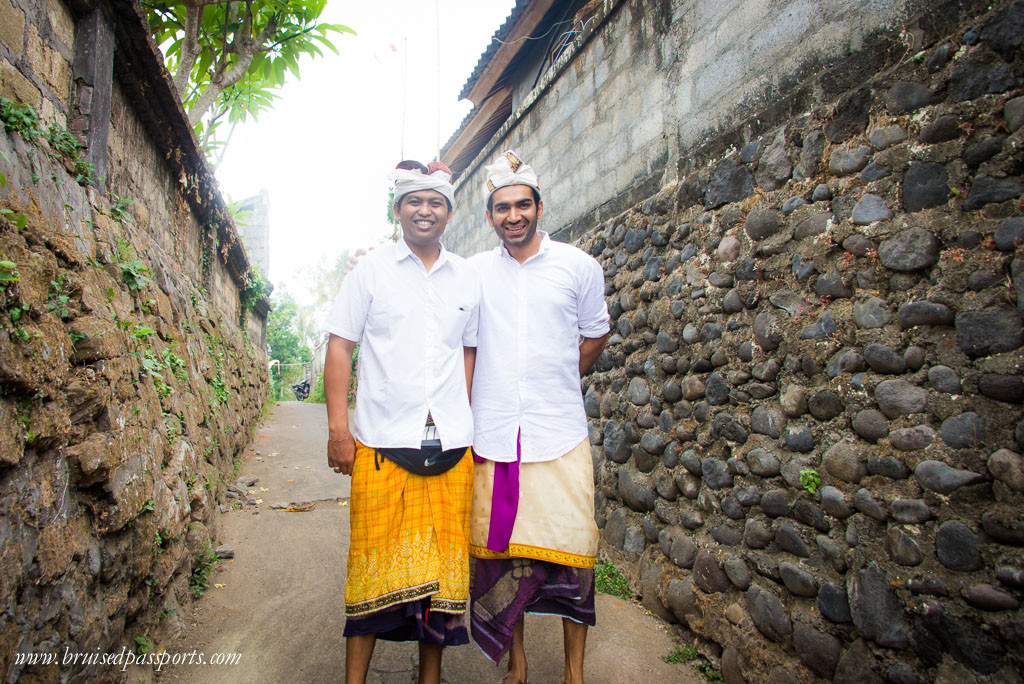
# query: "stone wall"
{"type": "Point", "coordinates": [131, 372]}
{"type": "Point", "coordinates": [808, 421]}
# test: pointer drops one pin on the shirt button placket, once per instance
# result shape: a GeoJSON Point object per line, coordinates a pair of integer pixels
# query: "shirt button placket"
{"type": "Point", "coordinates": [430, 326]}
{"type": "Point", "coordinates": [522, 344]}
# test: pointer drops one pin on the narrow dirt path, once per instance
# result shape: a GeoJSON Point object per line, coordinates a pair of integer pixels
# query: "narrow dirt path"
{"type": "Point", "coordinates": [281, 605]}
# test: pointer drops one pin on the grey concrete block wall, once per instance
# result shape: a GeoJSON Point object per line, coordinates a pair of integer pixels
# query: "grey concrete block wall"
{"type": "Point", "coordinates": [651, 85]}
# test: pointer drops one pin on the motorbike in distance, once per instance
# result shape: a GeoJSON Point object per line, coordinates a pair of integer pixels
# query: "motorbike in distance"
{"type": "Point", "coordinates": [301, 390]}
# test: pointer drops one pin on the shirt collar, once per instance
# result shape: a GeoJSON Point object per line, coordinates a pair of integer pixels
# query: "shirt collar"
{"type": "Point", "coordinates": [402, 251]}
{"type": "Point", "coordinates": [545, 245]}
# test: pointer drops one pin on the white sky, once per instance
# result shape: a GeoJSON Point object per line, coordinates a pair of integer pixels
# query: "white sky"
{"type": "Point", "coordinates": [325, 149]}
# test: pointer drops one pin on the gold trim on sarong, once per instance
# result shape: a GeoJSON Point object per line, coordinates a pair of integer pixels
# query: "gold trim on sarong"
{"type": "Point", "coordinates": [409, 536]}
{"type": "Point", "coordinates": [524, 551]}
{"type": "Point", "coordinates": [555, 518]}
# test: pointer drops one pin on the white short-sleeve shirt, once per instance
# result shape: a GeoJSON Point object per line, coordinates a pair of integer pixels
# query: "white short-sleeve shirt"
{"type": "Point", "coordinates": [527, 378]}
{"type": "Point", "coordinates": [412, 326]}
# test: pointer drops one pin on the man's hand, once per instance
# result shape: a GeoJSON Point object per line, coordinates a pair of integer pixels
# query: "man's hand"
{"type": "Point", "coordinates": [341, 444]}
{"type": "Point", "coordinates": [341, 455]}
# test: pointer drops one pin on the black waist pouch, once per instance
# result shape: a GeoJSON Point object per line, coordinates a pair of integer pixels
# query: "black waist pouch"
{"type": "Point", "coordinates": [428, 460]}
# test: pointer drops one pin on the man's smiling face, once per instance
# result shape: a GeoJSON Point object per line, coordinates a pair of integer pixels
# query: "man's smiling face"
{"type": "Point", "coordinates": [514, 214]}
{"type": "Point", "coordinates": [423, 215]}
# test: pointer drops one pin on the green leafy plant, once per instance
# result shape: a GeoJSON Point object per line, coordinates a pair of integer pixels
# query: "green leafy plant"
{"type": "Point", "coordinates": [150, 365]}
{"type": "Point", "coordinates": [8, 274]}
{"type": "Point", "coordinates": [59, 296]}
{"type": "Point", "coordinates": [203, 567]}
{"type": "Point", "coordinates": [16, 311]}
{"type": "Point", "coordinates": [256, 288]}
{"type": "Point", "coordinates": [76, 337]}
{"type": "Point", "coordinates": [134, 274]}
{"type": "Point", "coordinates": [317, 396]}
{"type": "Point", "coordinates": [608, 579]}
{"type": "Point", "coordinates": [144, 645]}
{"type": "Point", "coordinates": [681, 654]}
{"type": "Point", "coordinates": [687, 654]}
{"type": "Point", "coordinates": [62, 141]}
{"type": "Point", "coordinates": [175, 363]}
{"type": "Point", "coordinates": [172, 424]}
{"type": "Point", "coordinates": [141, 332]}
{"type": "Point", "coordinates": [119, 209]}
{"type": "Point", "coordinates": [22, 334]}
{"type": "Point", "coordinates": [20, 118]}
{"type": "Point", "coordinates": [810, 480]}
{"type": "Point", "coordinates": [20, 220]}
{"type": "Point", "coordinates": [133, 270]}
{"type": "Point", "coordinates": [221, 394]}
{"type": "Point", "coordinates": [23, 119]}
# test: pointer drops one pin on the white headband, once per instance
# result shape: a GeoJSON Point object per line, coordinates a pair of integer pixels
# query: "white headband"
{"type": "Point", "coordinates": [509, 169]}
{"type": "Point", "coordinates": [411, 181]}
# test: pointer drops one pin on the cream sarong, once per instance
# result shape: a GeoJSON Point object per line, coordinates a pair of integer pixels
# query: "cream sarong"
{"type": "Point", "coordinates": [555, 517]}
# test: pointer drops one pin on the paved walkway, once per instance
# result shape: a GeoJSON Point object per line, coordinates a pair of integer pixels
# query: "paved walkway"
{"type": "Point", "coordinates": [281, 604]}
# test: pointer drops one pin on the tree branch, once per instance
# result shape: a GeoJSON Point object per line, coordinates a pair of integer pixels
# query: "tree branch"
{"type": "Point", "coordinates": [223, 80]}
{"type": "Point", "coordinates": [189, 45]}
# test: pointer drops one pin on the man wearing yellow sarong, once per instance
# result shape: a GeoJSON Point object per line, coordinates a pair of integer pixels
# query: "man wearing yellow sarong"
{"type": "Point", "coordinates": [413, 307]}
{"type": "Point", "coordinates": [543, 322]}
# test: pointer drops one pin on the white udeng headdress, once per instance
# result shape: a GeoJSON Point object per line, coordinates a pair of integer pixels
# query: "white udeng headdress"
{"type": "Point", "coordinates": [407, 181]}
{"type": "Point", "coordinates": [509, 169]}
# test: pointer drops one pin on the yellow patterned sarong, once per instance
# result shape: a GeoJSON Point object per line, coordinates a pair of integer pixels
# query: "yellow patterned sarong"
{"type": "Point", "coordinates": [410, 536]}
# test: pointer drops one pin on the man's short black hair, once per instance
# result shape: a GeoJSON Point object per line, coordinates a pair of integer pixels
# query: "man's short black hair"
{"type": "Point", "coordinates": [490, 198]}
{"type": "Point", "coordinates": [446, 201]}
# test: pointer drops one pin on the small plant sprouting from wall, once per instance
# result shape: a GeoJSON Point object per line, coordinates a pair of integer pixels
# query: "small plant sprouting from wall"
{"type": "Point", "coordinates": [608, 579]}
{"type": "Point", "coordinates": [810, 480]}
{"type": "Point", "coordinates": [205, 563]}
{"type": "Point", "coordinates": [133, 270]}
{"type": "Point", "coordinates": [59, 296]}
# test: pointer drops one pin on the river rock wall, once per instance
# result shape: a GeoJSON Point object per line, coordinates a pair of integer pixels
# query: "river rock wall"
{"type": "Point", "coordinates": [808, 419]}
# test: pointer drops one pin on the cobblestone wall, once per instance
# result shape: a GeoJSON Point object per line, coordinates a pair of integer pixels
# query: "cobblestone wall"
{"type": "Point", "coordinates": [131, 374]}
{"type": "Point", "coordinates": [808, 420]}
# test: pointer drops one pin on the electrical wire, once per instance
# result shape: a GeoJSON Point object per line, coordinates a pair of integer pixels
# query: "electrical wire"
{"type": "Point", "coordinates": [544, 35]}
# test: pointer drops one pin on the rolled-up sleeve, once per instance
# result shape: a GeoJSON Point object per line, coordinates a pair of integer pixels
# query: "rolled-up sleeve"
{"type": "Point", "coordinates": [591, 308]}
{"type": "Point", "coordinates": [347, 316]}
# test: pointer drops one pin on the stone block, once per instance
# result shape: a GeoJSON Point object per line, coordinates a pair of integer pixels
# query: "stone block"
{"type": "Point", "coordinates": [49, 65]}
{"type": "Point", "coordinates": [62, 24]}
{"type": "Point", "coordinates": [15, 86]}
{"type": "Point", "coordinates": [12, 27]}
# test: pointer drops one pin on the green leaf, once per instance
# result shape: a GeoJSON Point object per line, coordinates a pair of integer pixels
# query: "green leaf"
{"type": "Point", "coordinates": [21, 221]}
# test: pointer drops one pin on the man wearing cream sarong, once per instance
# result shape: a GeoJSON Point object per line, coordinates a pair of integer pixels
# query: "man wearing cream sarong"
{"type": "Point", "coordinates": [414, 307]}
{"type": "Point", "coordinates": [543, 322]}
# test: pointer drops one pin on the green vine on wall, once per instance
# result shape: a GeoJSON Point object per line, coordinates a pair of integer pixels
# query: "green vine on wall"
{"type": "Point", "coordinates": [22, 119]}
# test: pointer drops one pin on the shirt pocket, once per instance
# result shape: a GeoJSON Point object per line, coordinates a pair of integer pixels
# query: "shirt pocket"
{"type": "Point", "coordinates": [455, 321]}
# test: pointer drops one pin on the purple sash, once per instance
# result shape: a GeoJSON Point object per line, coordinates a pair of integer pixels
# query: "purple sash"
{"type": "Point", "coordinates": [504, 500]}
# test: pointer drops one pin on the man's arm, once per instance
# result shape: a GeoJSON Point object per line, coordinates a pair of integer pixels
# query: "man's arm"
{"type": "Point", "coordinates": [590, 349]}
{"type": "Point", "coordinates": [469, 357]}
{"type": "Point", "coordinates": [341, 445]}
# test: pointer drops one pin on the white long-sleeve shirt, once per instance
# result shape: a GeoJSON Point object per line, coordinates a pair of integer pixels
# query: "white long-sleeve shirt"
{"type": "Point", "coordinates": [527, 378]}
{"type": "Point", "coordinates": [412, 326]}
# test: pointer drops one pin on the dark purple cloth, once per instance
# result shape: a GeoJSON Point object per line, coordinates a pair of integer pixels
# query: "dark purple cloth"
{"type": "Point", "coordinates": [504, 502]}
{"type": "Point", "coordinates": [502, 590]}
{"type": "Point", "coordinates": [411, 621]}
